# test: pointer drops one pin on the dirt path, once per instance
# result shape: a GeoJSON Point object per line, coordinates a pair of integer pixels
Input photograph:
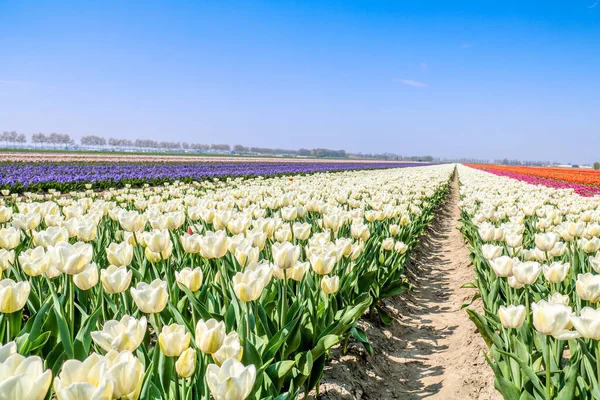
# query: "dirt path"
{"type": "Point", "coordinates": [432, 350]}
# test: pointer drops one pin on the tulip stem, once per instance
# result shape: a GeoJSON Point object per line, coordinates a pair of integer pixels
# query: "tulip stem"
{"type": "Point", "coordinates": [124, 301]}
{"type": "Point", "coordinates": [71, 307]}
{"type": "Point", "coordinates": [193, 313]}
{"type": "Point", "coordinates": [548, 385]}
{"type": "Point", "coordinates": [222, 271]}
{"type": "Point", "coordinates": [597, 357]}
{"type": "Point", "coordinates": [284, 300]}
{"type": "Point", "coordinates": [527, 304]}
{"type": "Point", "coordinates": [155, 320]}
{"type": "Point", "coordinates": [318, 300]}
{"type": "Point", "coordinates": [102, 306]}
{"type": "Point", "coordinates": [248, 329]}
{"type": "Point", "coordinates": [167, 273]}
{"type": "Point", "coordinates": [183, 388]}
{"type": "Point", "coordinates": [508, 292]}
{"type": "Point", "coordinates": [8, 337]}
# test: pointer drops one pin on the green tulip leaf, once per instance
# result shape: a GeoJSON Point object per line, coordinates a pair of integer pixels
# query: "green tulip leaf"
{"type": "Point", "coordinates": [63, 327]}
{"type": "Point", "coordinates": [528, 371]}
{"type": "Point", "coordinates": [394, 288]}
{"type": "Point", "coordinates": [385, 317]}
{"type": "Point", "coordinates": [324, 344]}
{"type": "Point", "coordinates": [569, 389]}
{"type": "Point", "coordinates": [83, 341]}
{"type": "Point", "coordinates": [489, 336]}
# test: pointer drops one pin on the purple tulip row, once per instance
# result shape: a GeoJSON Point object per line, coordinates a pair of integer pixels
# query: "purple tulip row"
{"type": "Point", "coordinates": [31, 175]}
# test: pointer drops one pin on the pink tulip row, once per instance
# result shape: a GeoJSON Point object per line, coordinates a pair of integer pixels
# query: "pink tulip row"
{"type": "Point", "coordinates": [582, 190]}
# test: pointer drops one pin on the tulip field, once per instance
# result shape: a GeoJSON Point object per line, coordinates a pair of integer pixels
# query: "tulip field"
{"type": "Point", "coordinates": [236, 280]}
{"type": "Point", "coordinates": [197, 288]}
{"type": "Point", "coordinates": [583, 182]}
{"type": "Point", "coordinates": [535, 252]}
{"type": "Point", "coordinates": [68, 176]}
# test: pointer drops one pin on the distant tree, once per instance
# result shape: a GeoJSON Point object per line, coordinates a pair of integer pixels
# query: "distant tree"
{"type": "Point", "coordinates": [120, 142]}
{"type": "Point", "coordinates": [199, 147]}
{"type": "Point", "coordinates": [240, 149]}
{"type": "Point", "coordinates": [93, 141]}
{"type": "Point", "coordinates": [146, 144]}
{"type": "Point", "coordinates": [170, 146]}
{"type": "Point", "coordinates": [65, 139]}
{"type": "Point", "coordinates": [21, 139]}
{"type": "Point", "coordinates": [327, 153]}
{"type": "Point", "coordinates": [597, 165]}
{"type": "Point", "coordinates": [221, 147]}
{"type": "Point", "coordinates": [60, 139]}
{"type": "Point", "coordinates": [38, 138]}
{"type": "Point", "coordinates": [53, 139]}
{"type": "Point", "coordinates": [10, 137]}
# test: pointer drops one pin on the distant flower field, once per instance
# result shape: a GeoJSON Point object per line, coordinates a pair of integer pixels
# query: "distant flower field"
{"type": "Point", "coordinates": [572, 175]}
{"type": "Point", "coordinates": [550, 177]}
{"type": "Point", "coordinates": [20, 176]}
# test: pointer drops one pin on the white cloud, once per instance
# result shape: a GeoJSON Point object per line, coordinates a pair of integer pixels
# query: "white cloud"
{"type": "Point", "coordinates": [594, 5]}
{"type": "Point", "coordinates": [412, 83]}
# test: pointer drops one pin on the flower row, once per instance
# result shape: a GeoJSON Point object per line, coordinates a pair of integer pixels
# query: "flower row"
{"type": "Point", "coordinates": [577, 180]}
{"type": "Point", "coordinates": [232, 289]}
{"type": "Point", "coordinates": [73, 176]}
{"type": "Point", "coordinates": [536, 256]}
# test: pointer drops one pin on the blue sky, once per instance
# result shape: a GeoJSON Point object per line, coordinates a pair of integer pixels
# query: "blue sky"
{"type": "Point", "coordinates": [485, 79]}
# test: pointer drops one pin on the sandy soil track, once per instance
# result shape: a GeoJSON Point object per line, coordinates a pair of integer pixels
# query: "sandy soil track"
{"type": "Point", "coordinates": [432, 350]}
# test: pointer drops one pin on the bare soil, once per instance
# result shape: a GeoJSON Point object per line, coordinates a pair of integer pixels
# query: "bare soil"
{"type": "Point", "coordinates": [432, 350]}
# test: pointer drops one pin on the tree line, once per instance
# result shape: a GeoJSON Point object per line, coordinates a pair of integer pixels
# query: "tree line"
{"type": "Point", "coordinates": [92, 141]}
{"type": "Point", "coordinates": [13, 137]}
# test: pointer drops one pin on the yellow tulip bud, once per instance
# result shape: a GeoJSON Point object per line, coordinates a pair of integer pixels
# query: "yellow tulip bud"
{"type": "Point", "coordinates": [13, 295]}
{"type": "Point", "coordinates": [173, 340]}
{"type": "Point", "coordinates": [330, 285]}
{"type": "Point", "coordinates": [186, 363]}
{"type": "Point", "coordinates": [231, 348]}
{"type": "Point", "coordinates": [190, 278]}
{"type": "Point", "coordinates": [150, 298]}
{"type": "Point", "coordinates": [210, 335]}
